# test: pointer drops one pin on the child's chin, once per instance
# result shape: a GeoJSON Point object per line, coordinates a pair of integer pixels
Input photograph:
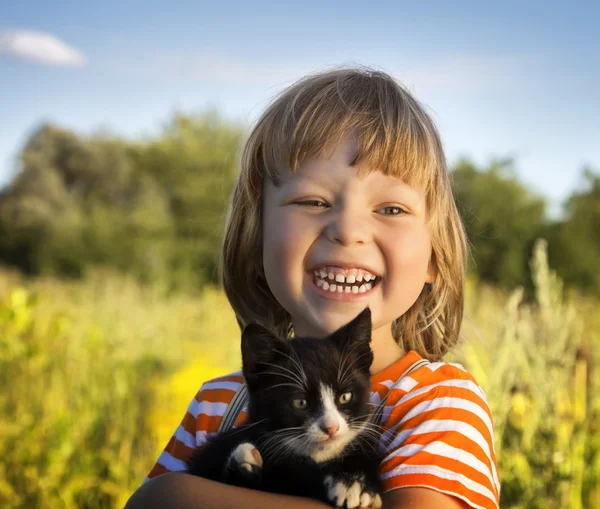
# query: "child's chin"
{"type": "Point", "coordinates": [330, 322]}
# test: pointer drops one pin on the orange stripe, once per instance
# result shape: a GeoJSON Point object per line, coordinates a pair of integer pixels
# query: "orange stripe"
{"type": "Point", "coordinates": [216, 396]}
{"type": "Point", "coordinates": [189, 423]}
{"type": "Point", "coordinates": [394, 371]}
{"type": "Point", "coordinates": [453, 439]}
{"type": "Point", "coordinates": [436, 392]}
{"type": "Point", "coordinates": [157, 470]}
{"type": "Point", "coordinates": [425, 459]}
{"type": "Point", "coordinates": [453, 414]}
{"type": "Point", "coordinates": [444, 485]}
{"type": "Point", "coordinates": [208, 423]}
{"type": "Point", "coordinates": [178, 449]}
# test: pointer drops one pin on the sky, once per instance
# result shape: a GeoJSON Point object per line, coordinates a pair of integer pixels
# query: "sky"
{"type": "Point", "coordinates": [501, 79]}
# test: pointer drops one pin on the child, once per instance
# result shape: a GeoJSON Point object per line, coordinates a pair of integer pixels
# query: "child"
{"type": "Point", "coordinates": [344, 202]}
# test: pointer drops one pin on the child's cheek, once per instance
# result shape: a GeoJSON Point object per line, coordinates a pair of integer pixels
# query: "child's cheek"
{"type": "Point", "coordinates": [283, 255]}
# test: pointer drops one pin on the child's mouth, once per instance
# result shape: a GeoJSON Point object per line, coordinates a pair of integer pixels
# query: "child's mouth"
{"type": "Point", "coordinates": [352, 281]}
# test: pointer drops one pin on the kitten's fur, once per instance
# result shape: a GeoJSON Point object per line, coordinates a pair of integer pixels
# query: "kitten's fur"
{"type": "Point", "coordinates": [285, 449]}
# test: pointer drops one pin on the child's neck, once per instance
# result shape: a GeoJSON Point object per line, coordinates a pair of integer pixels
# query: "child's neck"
{"type": "Point", "coordinates": [386, 350]}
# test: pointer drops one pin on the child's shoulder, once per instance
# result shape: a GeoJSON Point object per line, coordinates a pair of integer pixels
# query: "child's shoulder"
{"type": "Point", "coordinates": [221, 388]}
{"type": "Point", "coordinates": [431, 375]}
{"type": "Point", "coordinates": [435, 387]}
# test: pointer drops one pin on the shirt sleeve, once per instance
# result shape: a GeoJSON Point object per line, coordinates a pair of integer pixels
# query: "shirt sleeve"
{"type": "Point", "coordinates": [439, 435]}
{"type": "Point", "coordinates": [202, 418]}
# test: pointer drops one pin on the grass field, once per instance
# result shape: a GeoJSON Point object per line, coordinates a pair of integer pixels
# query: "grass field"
{"type": "Point", "coordinates": [95, 376]}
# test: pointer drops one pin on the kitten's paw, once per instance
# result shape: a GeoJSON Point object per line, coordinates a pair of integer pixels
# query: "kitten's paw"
{"type": "Point", "coordinates": [245, 457]}
{"type": "Point", "coordinates": [351, 493]}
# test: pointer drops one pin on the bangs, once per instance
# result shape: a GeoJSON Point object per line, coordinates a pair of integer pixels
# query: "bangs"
{"type": "Point", "coordinates": [392, 132]}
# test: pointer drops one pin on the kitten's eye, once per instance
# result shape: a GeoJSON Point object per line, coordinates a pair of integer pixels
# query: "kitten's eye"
{"type": "Point", "coordinates": [345, 398]}
{"type": "Point", "coordinates": [300, 404]}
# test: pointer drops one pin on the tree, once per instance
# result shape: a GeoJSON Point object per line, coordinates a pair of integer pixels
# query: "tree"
{"type": "Point", "coordinates": [574, 242]}
{"type": "Point", "coordinates": [502, 219]}
{"type": "Point", "coordinates": [154, 208]}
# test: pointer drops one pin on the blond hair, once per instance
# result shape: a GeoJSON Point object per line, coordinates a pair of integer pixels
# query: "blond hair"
{"type": "Point", "coordinates": [396, 136]}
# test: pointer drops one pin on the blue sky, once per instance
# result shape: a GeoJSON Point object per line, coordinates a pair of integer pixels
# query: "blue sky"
{"type": "Point", "coordinates": [515, 79]}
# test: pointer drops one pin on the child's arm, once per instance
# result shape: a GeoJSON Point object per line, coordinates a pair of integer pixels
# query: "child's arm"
{"type": "Point", "coordinates": [184, 491]}
{"type": "Point", "coordinates": [179, 490]}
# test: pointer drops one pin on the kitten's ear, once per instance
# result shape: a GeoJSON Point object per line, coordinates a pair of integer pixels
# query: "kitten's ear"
{"type": "Point", "coordinates": [355, 336]}
{"type": "Point", "coordinates": [260, 347]}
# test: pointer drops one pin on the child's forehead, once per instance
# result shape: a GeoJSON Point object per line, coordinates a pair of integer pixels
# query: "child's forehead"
{"type": "Point", "coordinates": [353, 151]}
{"type": "Point", "coordinates": [339, 167]}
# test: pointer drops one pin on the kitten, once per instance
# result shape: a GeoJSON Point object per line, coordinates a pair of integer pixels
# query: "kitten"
{"type": "Point", "coordinates": [309, 431]}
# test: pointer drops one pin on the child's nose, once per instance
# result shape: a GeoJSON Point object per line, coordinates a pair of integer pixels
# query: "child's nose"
{"type": "Point", "coordinates": [348, 227]}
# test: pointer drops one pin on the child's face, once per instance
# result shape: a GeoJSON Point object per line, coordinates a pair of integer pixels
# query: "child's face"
{"type": "Point", "coordinates": [325, 218]}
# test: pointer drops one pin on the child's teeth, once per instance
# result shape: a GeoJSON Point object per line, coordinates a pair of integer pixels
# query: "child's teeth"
{"type": "Point", "coordinates": [367, 277]}
{"type": "Point", "coordinates": [355, 289]}
{"type": "Point", "coordinates": [347, 289]}
{"type": "Point", "coordinates": [339, 278]}
{"type": "Point", "coordinates": [332, 288]}
{"type": "Point", "coordinates": [320, 283]}
{"type": "Point", "coordinates": [362, 289]}
{"type": "Point", "coordinates": [330, 275]}
{"type": "Point", "coordinates": [340, 289]}
{"type": "Point", "coordinates": [369, 286]}
{"type": "Point", "coordinates": [323, 273]}
{"type": "Point", "coordinates": [325, 285]}
{"type": "Point", "coordinates": [350, 279]}
{"type": "Point", "coordinates": [359, 278]}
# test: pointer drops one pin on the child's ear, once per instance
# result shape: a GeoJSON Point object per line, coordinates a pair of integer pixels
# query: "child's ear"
{"type": "Point", "coordinates": [354, 338]}
{"type": "Point", "coordinates": [260, 348]}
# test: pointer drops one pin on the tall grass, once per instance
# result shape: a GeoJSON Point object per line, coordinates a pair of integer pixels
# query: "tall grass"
{"type": "Point", "coordinates": [94, 378]}
{"type": "Point", "coordinates": [91, 380]}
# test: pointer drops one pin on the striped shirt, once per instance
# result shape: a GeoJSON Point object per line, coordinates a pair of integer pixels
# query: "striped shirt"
{"type": "Point", "coordinates": [437, 430]}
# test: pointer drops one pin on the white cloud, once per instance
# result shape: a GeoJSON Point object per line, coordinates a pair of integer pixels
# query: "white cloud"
{"type": "Point", "coordinates": [40, 48]}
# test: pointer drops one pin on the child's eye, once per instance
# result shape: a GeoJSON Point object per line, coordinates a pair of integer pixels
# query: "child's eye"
{"type": "Point", "coordinates": [345, 398]}
{"type": "Point", "coordinates": [300, 404]}
{"type": "Point", "coordinates": [319, 204]}
{"type": "Point", "coordinates": [392, 210]}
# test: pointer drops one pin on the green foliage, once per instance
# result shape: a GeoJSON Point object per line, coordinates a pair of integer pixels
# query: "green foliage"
{"type": "Point", "coordinates": [80, 366]}
{"type": "Point", "coordinates": [95, 375]}
{"type": "Point", "coordinates": [575, 241]}
{"type": "Point", "coordinates": [502, 219]}
{"type": "Point", "coordinates": [154, 209]}
{"type": "Point", "coordinates": [533, 360]}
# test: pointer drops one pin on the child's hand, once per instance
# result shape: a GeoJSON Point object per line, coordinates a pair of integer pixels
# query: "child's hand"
{"type": "Point", "coordinates": [351, 493]}
{"type": "Point", "coordinates": [244, 466]}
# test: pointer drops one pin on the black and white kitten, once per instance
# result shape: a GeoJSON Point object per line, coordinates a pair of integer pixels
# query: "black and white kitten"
{"type": "Point", "coordinates": [309, 430]}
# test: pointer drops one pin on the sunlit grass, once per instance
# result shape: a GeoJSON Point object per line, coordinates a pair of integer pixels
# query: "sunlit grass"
{"type": "Point", "coordinates": [95, 377]}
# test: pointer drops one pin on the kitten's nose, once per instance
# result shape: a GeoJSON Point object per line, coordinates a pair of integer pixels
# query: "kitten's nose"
{"type": "Point", "coordinates": [330, 429]}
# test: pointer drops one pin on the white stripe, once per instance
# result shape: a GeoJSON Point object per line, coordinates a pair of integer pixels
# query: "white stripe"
{"type": "Point", "coordinates": [442, 473]}
{"type": "Point", "coordinates": [447, 451]}
{"type": "Point", "coordinates": [457, 365]}
{"type": "Point", "coordinates": [406, 384]}
{"type": "Point", "coordinates": [185, 437]}
{"type": "Point", "coordinates": [434, 366]}
{"type": "Point", "coordinates": [375, 398]}
{"type": "Point", "coordinates": [462, 384]}
{"type": "Point", "coordinates": [447, 402]}
{"type": "Point", "coordinates": [207, 408]}
{"type": "Point", "coordinates": [201, 437]}
{"type": "Point", "coordinates": [171, 463]}
{"type": "Point", "coordinates": [230, 386]}
{"type": "Point", "coordinates": [461, 427]}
